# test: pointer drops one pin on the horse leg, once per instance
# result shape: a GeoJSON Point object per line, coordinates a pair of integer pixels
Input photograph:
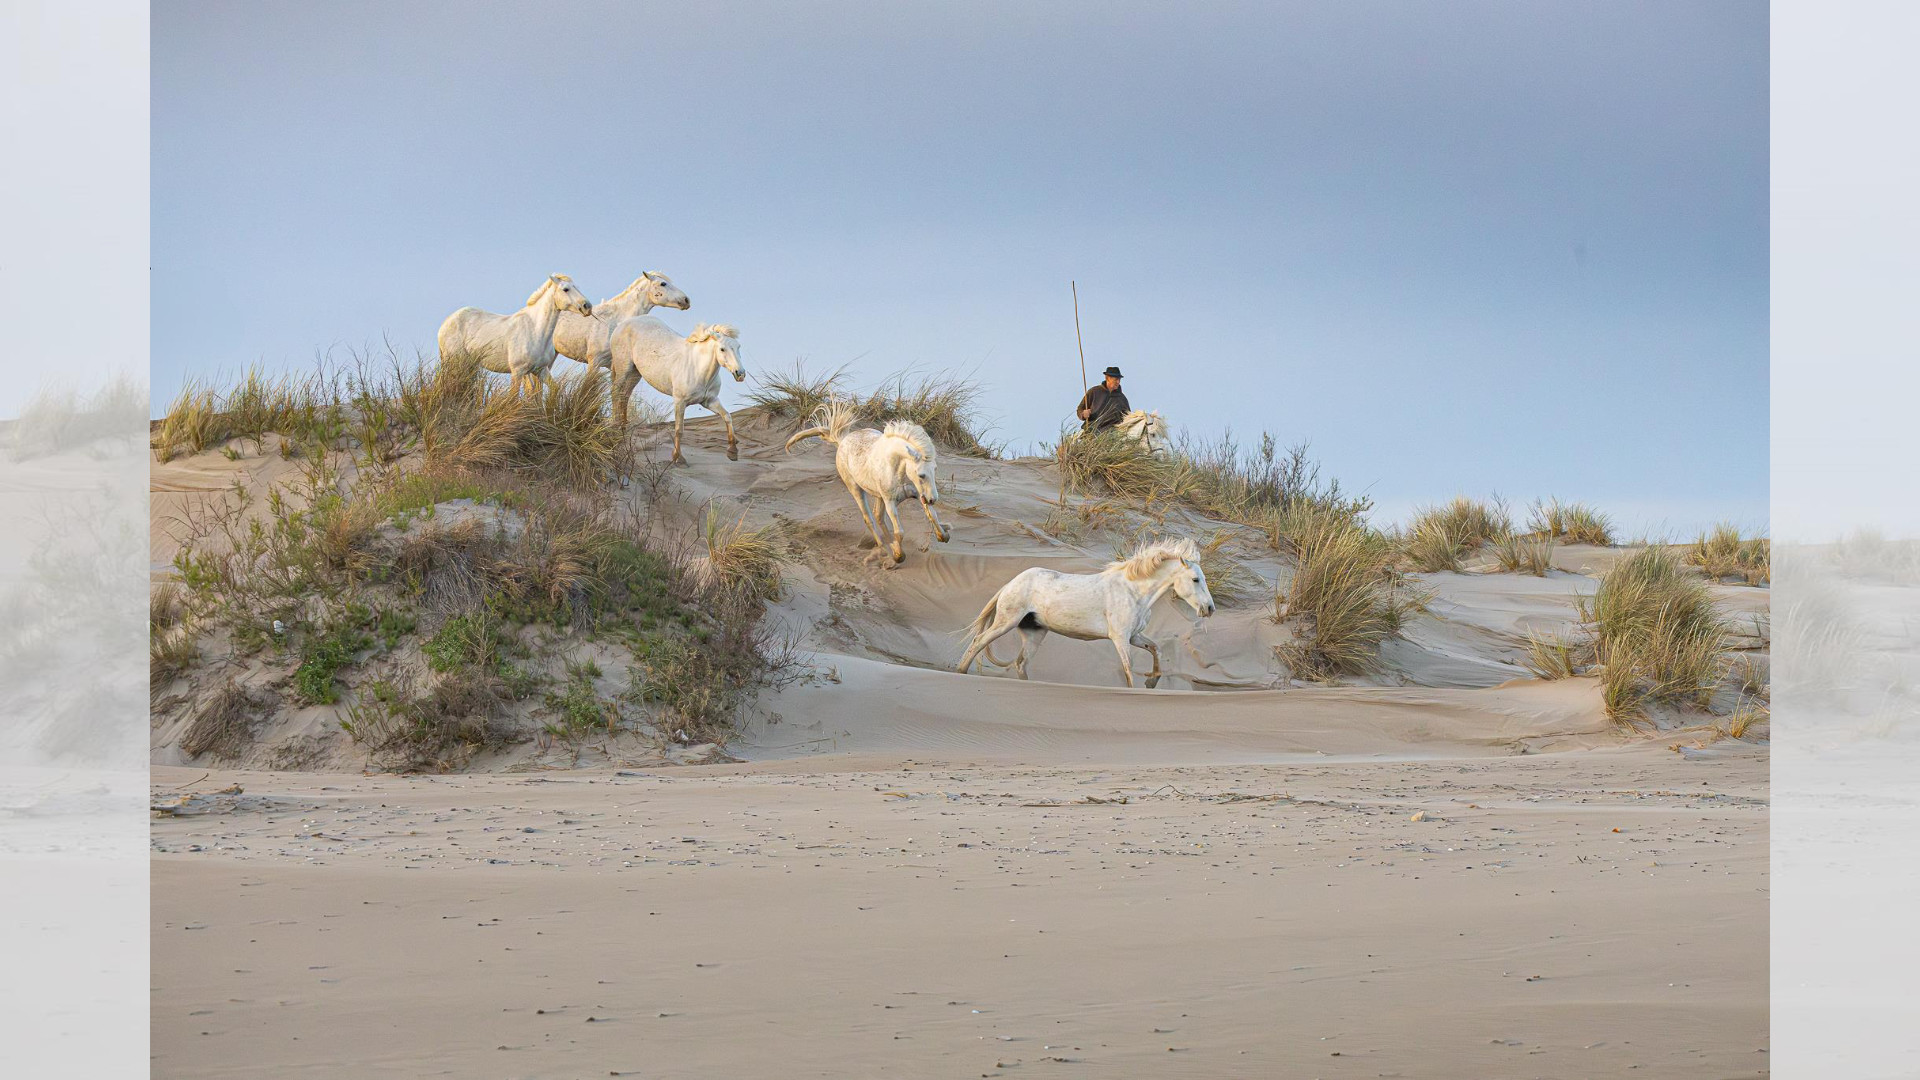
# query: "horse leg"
{"type": "Point", "coordinates": [1121, 646]}
{"type": "Point", "coordinates": [860, 500]}
{"type": "Point", "coordinates": [999, 628]}
{"type": "Point", "coordinates": [940, 531]}
{"type": "Point", "coordinates": [1141, 640]}
{"type": "Point", "coordinates": [733, 447]}
{"type": "Point", "coordinates": [679, 414]}
{"type": "Point", "coordinates": [1030, 638]}
{"type": "Point", "coordinates": [893, 522]}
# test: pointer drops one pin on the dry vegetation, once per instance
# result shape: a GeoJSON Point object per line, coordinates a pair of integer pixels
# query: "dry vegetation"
{"type": "Point", "coordinates": [1722, 554]}
{"type": "Point", "coordinates": [1656, 635]}
{"type": "Point", "coordinates": [442, 539]}
{"type": "Point", "coordinates": [1575, 523]}
{"type": "Point", "coordinates": [62, 418]}
{"type": "Point", "coordinates": [948, 407]}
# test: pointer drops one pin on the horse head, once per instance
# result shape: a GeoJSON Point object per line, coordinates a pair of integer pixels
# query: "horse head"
{"type": "Point", "coordinates": [566, 296]}
{"type": "Point", "coordinates": [658, 290]}
{"type": "Point", "coordinates": [1190, 584]}
{"type": "Point", "coordinates": [725, 343]}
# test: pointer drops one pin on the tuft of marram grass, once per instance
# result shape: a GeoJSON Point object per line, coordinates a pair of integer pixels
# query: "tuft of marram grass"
{"type": "Point", "coordinates": [1525, 555]}
{"type": "Point", "coordinates": [223, 723]}
{"type": "Point", "coordinates": [1431, 547]}
{"type": "Point", "coordinates": [1228, 580]}
{"type": "Point", "coordinates": [1656, 635]}
{"type": "Point", "coordinates": [1108, 463]}
{"type": "Point", "coordinates": [1552, 658]}
{"type": "Point", "coordinates": [61, 418]}
{"type": "Point", "coordinates": [1575, 523]}
{"type": "Point", "coordinates": [1469, 522]}
{"type": "Point", "coordinates": [795, 394]}
{"type": "Point", "coordinates": [740, 559]}
{"type": "Point", "coordinates": [947, 406]}
{"type": "Point", "coordinates": [1347, 590]}
{"type": "Point", "coordinates": [1721, 553]}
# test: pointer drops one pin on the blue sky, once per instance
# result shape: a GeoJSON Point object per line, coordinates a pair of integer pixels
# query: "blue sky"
{"type": "Point", "coordinates": [1459, 247]}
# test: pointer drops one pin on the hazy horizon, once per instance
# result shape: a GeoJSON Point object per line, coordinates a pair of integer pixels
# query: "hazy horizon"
{"type": "Point", "coordinates": [1475, 248]}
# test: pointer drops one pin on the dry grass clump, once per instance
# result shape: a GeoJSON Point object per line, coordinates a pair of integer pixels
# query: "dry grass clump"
{"type": "Point", "coordinates": [1106, 462]}
{"type": "Point", "coordinates": [61, 418]}
{"type": "Point", "coordinates": [1656, 635]}
{"type": "Point", "coordinates": [740, 559]}
{"type": "Point", "coordinates": [1431, 547]}
{"type": "Point", "coordinates": [948, 407]}
{"type": "Point", "coordinates": [1258, 486]}
{"type": "Point", "coordinates": [223, 723]}
{"type": "Point", "coordinates": [1552, 658]}
{"type": "Point", "coordinates": [440, 728]}
{"type": "Point", "coordinates": [1525, 554]}
{"type": "Point", "coordinates": [468, 425]}
{"type": "Point", "coordinates": [1868, 554]}
{"type": "Point", "coordinates": [1346, 588]}
{"type": "Point", "coordinates": [1469, 522]}
{"type": "Point", "coordinates": [1575, 523]}
{"type": "Point", "coordinates": [1723, 554]}
{"type": "Point", "coordinates": [1745, 720]}
{"type": "Point", "coordinates": [1230, 582]}
{"type": "Point", "coordinates": [794, 394]}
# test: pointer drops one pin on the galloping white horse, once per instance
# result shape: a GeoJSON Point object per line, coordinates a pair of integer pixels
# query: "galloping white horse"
{"type": "Point", "coordinates": [520, 345]}
{"type": "Point", "coordinates": [1112, 604]}
{"type": "Point", "coordinates": [1149, 429]}
{"type": "Point", "coordinates": [685, 369]}
{"type": "Point", "coordinates": [886, 464]}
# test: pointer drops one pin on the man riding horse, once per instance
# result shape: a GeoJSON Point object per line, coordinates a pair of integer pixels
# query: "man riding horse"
{"type": "Point", "coordinates": [1103, 405]}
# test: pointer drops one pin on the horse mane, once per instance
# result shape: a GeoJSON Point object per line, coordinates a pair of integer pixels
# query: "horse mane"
{"type": "Point", "coordinates": [552, 280]}
{"type": "Point", "coordinates": [913, 433]}
{"type": "Point", "coordinates": [1148, 557]}
{"type": "Point", "coordinates": [712, 332]}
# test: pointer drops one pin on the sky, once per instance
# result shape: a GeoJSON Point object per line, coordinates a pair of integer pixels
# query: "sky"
{"type": "Point", "coordinates": [1459, 248]}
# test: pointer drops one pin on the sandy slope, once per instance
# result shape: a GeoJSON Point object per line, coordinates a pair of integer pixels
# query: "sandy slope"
{"type": "Point", "coordinates": [909, 876]}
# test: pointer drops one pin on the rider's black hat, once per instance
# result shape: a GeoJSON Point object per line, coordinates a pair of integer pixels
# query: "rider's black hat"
{"type": "Point", "coordinates": [1112, 372]}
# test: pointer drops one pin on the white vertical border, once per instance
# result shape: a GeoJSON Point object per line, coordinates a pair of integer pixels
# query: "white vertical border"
{"type": "Point", "coordinates": [1845, 946]}
{"type": "Point", "coordinates": [74, 241]}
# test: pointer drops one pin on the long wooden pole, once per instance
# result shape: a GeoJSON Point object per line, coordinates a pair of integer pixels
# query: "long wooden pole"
{"type": "Point", "coordinates": [1075, 286]}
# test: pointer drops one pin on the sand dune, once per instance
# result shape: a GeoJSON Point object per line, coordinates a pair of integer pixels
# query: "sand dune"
{"type": "Point", "coordinates": [914, 872]}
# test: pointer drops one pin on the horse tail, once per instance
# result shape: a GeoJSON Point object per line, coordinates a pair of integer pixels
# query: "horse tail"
{"type": "Point", "coordinates": [811, 432]}
{"type": "Point", "coordinates": [980, 625]}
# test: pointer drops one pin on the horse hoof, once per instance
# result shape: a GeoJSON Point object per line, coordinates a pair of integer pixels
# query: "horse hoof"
{"type": "Point", "coordinates": [733, 452]}
{"type": "Point", "coordinates": [678, 460]}
{"type": "Point", "coordinates": [1153, 682]}
{"type": "Point", "coordinates": [945, 535]}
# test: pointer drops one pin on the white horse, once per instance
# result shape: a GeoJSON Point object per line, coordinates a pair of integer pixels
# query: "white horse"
{"type": "Point", "coordinates": [1149, 429]}
{"type": "Point", "coordinates": [686, 369]}
{"type": "Point", "coordinates": [886, 464]}
{"type": "Point", "coordinates": [520, 345]}
{"type": "Point", "coordinates": [1112, 604]}
{"type": "Point", "coordinates": [589, 338]}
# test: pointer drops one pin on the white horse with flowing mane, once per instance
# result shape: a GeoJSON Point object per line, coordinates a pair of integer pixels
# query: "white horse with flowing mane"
{"type": "Point", "coordinates": [686, 369]}
{"type": "Point", "coordinates": [520, 345]}
{"type": "Point", "coordinates": [1149, 429]}
{"type": "Point", "coordinates": [1112, 604]}
{"type": "Point", "coordinates": [898, 460]}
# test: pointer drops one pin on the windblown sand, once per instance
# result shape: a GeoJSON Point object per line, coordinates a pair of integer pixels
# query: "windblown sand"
{"type": "Point", "coordinates": [1452, 870]}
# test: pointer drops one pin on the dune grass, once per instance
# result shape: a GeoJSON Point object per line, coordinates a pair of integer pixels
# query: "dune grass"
{"type": "Point", "coordinates": [1431, 547]}
{"type": "Point", "coordinates": [1525, 554]}
{"type": "Point", "coordinates": [1656, 635]}
{"type": "Point", "coordinates": [62, 418]}
{"type": "Point", "coordinates": [1471, 523]}
{"type": "Point", "coordinates": [1722, 553]}
{"type": "Point", "coordinates": [742, 560]}
{"type": "Point", "coordinates": [1348, 593]}
{"type": "Point", "coordinates": [1574, 523]}
{"type": "Point", "coordinates": [947, 406]}
{"type": "Point", "coordinates": [1552, 658]}
{"type": "Point", "coordinates": [794, 393]}
{"type": "Point", "coordinates": [1230, 582]}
